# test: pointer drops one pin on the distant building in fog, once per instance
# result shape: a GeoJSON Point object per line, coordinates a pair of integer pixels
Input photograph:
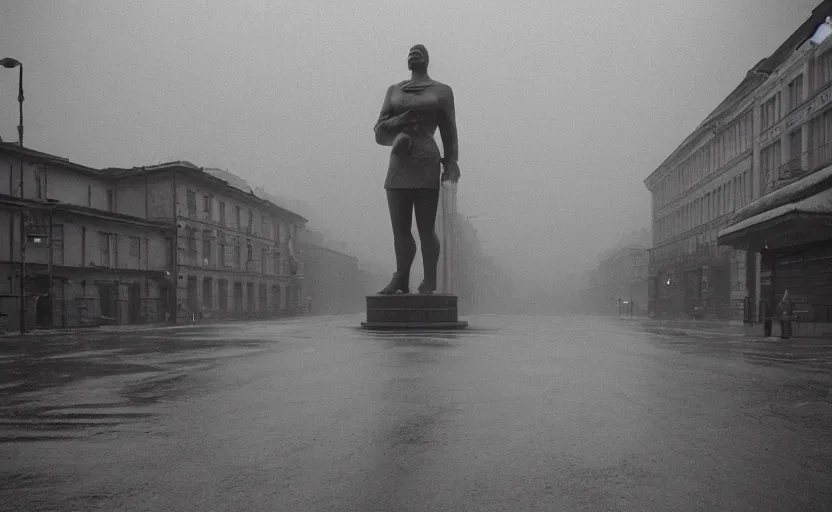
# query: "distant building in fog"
{"type": "Point", "coordinates": [333, 281]}
{"type": "Point", "coordinates": [620, 278]}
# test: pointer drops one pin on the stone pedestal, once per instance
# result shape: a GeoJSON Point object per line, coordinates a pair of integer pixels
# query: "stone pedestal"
{"type": "Point", "coordinates": [412, 311]}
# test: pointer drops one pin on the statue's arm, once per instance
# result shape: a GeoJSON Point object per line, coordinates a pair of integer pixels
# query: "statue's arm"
{"type": "Point", "coordinates": [447, 126]}
{"type": "Point", "coordinates": [384, 128]}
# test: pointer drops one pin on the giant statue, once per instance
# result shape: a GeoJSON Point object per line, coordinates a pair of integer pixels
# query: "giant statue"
{"type": "Point", "coordinates": [410, 114]}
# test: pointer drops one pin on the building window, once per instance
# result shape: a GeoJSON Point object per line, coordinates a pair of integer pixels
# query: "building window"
{"type": "Point", "coordinates": [207, 293]}
{"type": "Point", "coordinates": [58, 245]}
{"type": "Point", "coordinates": [238, 256]}
{"type": "Point", "coordinates": [238, 218]}
{"type": "Point", "coordinates": [135, 253]}
{"type": "Point", "coordinates": [191, 203]}
{"type": "Point", "coordinates": [207, 206]}
{"type": "Point", "coordinates": [748, 131]}
{"type": "Point", "coordinates": [795, 91]}
{"type": "Point", "coordinates": [264, 297]}
{"type": "Point", "coordinates": [135, 247]}
{"type": "Point", "coordinates": [38, 185]}
{"type": "Point", "coordinates": [222, 295]}
{"type": "Point", "coordinates": [769, 161]}
{"type": "Point", "coordinates": [222, 213]}
{"type": "Point", "coordinates": [206, 248]}
{"type": "Point", "coordinates": [250, 224]}
{"type": "Point", "coordinates": [820, 137]}
{"type": "Point", "coordinates": [190, 234]}
{"type": "Point", "coordinates": [729, 196]}
{"type": "Point", "coordinates": [276, 263]}
{"type": "Point", "coordinates": [795, 151]}
{"type": "Point", "coordinates": [104, 244]}
{"type": "Point", "coordinates": [263, 261]}
{"type": "Point", "coordinates": [823, 70]}
{"type": "Point", "coordinates": [168, 253]}
{"type": "Point", "coordinates": [768, 111]}
{"type": "Point", "coordinates": [110, 202]}
{"type": "Point", "coordinates": [250, 297]}
{"type": "Point", "coordinates": [264, 226]}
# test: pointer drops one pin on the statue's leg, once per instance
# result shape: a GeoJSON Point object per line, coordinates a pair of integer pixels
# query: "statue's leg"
{"type": "Point", "coordinates": [400, 204]}
{"type": "Point", "coordinates": [425, 205]}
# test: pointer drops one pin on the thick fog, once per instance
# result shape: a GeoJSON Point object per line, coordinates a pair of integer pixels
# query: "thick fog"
{"type": "Point", "coordinates": [563, 108]}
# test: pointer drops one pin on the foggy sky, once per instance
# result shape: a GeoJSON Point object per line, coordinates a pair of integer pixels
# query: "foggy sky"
{"type": "Point", "coordinates": [563, 108]}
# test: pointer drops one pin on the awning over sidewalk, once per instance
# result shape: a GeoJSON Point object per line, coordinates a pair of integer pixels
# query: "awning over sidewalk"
{"type": "Point", "coordinates": [810, 185]}
{"type": "Point", "coordinates": [800, 221]}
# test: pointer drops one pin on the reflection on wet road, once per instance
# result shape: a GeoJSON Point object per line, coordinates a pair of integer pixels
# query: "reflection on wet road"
{"type": "Point", "coordinates": [518, 413]}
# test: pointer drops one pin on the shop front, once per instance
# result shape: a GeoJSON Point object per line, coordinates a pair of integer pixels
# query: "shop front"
{"type": "Point", "coordinates": [794, 240]}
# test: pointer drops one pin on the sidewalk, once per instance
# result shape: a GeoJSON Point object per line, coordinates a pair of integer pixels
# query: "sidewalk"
{"type": "Point", "coordinates": [130, 328]}
{"type": "Point", "coordinates": [726, 328]}
{"type": "Point", "coordinates": [91, 329]}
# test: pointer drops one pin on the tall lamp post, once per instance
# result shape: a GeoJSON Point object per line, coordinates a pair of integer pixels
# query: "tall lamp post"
{"type": "Point", "coordinates": [10, 63]}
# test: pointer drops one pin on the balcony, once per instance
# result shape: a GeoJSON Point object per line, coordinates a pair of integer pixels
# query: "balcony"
{"type": "Point", "coordinates": [801, 166]}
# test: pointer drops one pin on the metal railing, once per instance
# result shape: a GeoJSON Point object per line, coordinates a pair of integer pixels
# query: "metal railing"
{"type": "Point", "coordinates": [800, 166]}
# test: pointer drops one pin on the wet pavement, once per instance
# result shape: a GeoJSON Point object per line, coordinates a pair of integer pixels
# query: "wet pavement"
{"type": "Point", "coordinates": [517, 413]}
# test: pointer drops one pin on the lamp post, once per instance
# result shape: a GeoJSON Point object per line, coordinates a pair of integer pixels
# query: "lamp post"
{"type": "Point", "coordinates": [10, 63]}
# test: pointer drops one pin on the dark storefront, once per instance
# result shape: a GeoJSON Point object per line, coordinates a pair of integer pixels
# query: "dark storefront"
{"type": "Point", "coordinates": [697, 288]}
{"type": "Point", "coordinates": [792, 232]}
{"type": "Point", "coordinates": [801, 278]}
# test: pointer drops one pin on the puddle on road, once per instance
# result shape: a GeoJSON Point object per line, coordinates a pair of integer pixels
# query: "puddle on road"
{"type": "Point", "coordinates": [94, 405]}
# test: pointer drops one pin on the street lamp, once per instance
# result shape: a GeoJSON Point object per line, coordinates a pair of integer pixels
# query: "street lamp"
{"type": "Point", "coordinates": [10, 63]}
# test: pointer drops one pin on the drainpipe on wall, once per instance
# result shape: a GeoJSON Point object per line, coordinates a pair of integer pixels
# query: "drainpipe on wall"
{"type": "Point", "coordinates": [11, 216]}
{"type": "Point", "coordinates": [22, 306]}
{"type": "Point", "coordinates": [174, 291]}
{"type": "Point", "coordinates": [49, 271]}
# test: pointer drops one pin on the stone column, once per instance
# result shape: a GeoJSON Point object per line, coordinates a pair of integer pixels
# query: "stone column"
{"type": "Point", "coordinates": [445, 231]}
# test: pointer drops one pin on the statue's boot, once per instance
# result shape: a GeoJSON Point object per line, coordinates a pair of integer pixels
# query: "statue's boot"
{"type": "Point", "coordinates": [399, 283]}
{"type": "Point", "coordinates": [426, 289]}
{"type": "Point", "coordinates": [428, 285]}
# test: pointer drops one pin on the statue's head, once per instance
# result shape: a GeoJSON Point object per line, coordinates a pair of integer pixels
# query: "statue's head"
{"type": "Point", "coordinates": [417, 58]}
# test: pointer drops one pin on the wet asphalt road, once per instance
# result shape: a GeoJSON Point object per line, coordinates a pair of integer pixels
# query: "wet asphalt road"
{"type": "Point", "coordinates": [518, 413]}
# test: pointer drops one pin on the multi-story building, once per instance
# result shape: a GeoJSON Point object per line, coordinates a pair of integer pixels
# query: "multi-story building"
{"type": "Point", "coordinates": [82, 258]}
{"type": "Point", "coordinates": [150, 244]}
{"type": "Point", "coordinates": [237, 255]}
{"type": "Point", "coordinates": [788, 226]}
{"type": "Point", "coordinates": [771, 131]}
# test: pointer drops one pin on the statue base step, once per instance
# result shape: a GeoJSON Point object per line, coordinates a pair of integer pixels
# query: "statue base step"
{"type": "Point", "coordinates": [436, 311]}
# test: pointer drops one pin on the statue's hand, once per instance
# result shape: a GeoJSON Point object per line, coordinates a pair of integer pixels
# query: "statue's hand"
{"type": "Point", "coordinates": [451, 172]}
{"type": "Point", "coordinates": [404, 119]}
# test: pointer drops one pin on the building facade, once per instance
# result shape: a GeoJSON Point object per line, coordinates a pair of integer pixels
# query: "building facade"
{"type": "Point", "coordinates": [770, 132]}
{"type": "Point", "coordinates": [788, 227]}
{"type": "Point", "coordinates": [171, 242]}
{"type": "Point", "coordinates": [74, 255]}
{"type": "Point", "coordinates": [237, 255]}
{"type": "Point", "coordinates": [333, 281]}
